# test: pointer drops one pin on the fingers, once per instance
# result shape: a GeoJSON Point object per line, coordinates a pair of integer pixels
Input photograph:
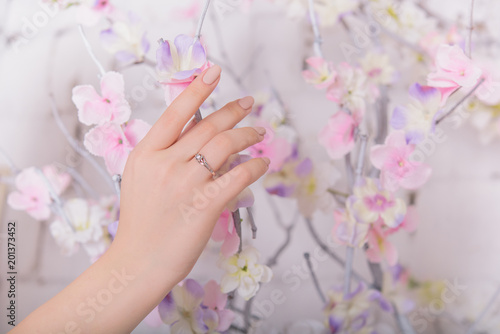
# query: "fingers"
{"type": "Point", "coordinates": [229, 142]}
{"type": "Point", "coordinates": [224, 119]}
{"type": "Point", "coordinates": [233, 182]}
{"type": "Point", "coordinates": [169, 126]}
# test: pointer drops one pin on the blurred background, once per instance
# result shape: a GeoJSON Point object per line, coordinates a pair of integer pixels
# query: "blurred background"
{"type": "Point", "coordinates": [459, 225]}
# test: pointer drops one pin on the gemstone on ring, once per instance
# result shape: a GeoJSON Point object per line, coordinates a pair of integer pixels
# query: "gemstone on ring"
{"type": "Point", "coordinates": [202, 161]}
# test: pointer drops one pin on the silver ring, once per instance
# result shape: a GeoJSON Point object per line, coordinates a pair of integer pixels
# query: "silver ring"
{"type": "Point", "coordinates": [202, 161]}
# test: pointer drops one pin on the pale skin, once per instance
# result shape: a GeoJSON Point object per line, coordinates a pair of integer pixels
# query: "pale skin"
{"type": "Point", "coordinates": [158, 243]}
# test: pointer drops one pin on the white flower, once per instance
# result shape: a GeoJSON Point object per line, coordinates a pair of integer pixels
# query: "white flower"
{"type": "Point", "coordinates": [85, 229]}
{"type": "Point", "coordinates": [378, 68]}
{"type": "Point", "coordinates": [244, 273]}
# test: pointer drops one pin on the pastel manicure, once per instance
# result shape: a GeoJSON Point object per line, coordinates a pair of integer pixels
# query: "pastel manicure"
{"type": "Point", "coordinates": [212, 74]}
{"type": "Point", "coordinates": [260, 130]}
{"type": "Point", "coordinates": [246, 102]}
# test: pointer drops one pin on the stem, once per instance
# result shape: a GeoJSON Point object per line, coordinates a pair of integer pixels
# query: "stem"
{"type": "Point", "coordinates": [462, 100]}
{"type": "Point", "coordinates": [337, 193]}
{"type": "Point", "coordinates": [237, 226]}
{"type": "Point", "coordinates": [361, 158]}
{"type": "Point", "coordinates": [252, 223]}
{"type": "Point", "coordinates": [403, 322]}
{"type": "Point", "coordinates": [117, 180]}
{"type": "Point", "coordinates": [317, 36]}
{"type": "Point", "coordinates": [74, 144]}
{"type": "Point", "coordinates": [314, 278]}
{"type": "Point", "coordinates": [349, 170]}
{"type": "Point", "coordinates": [484, 312]}
{"type": "Point", "coordinates": [348, 270]}
{"type": "Point", "coordinates": [471, 28]}
{"type": "Point", "coordinates": [274, 260]}
{"type": "Point", "coordinates": [202, 18]}
{"type": "Point", "coordinates": [89, 50]}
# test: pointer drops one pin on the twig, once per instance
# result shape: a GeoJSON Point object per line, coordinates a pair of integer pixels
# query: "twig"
{"type": "Point", "coordinates": [337, 192]}
{"type": "Point", "coordinates": [202, 18]}
{"type": "Point", "coordinates": [462, 100]}
{"type": "Point", "coordinates": [82, 182]}
{"type": "Point", "coordinates": [238, 329]}
{"type": "Point", "coordinates": [9, 161]}
{"type": "Point", "coordinates": [484, 311]}
{"type": "Point", "coordinates": [252, 222]}
{"type": "Point", "coordinates": [471, 28]}
{"type": "Point", "coordinates": [348, 169]}
{"type": "Point", "coordinates": [349, 257]}
{"type": "Point", "coordinates": [117, 180]}
{"type": "Point", "coordinates": [317, 36]}
{"type": "Point", "coordinates": [89, 50]}
{"type": "Point", "coordinates": [74, 144]}
{"type": "Point", "coordinates": [274, 259]}
{"type": "Point", "coordinates": [307, 256]}
{"type": "Point", "coordinates": [237, 226]}
{"type": "Point", "coordinates": [403, 322]}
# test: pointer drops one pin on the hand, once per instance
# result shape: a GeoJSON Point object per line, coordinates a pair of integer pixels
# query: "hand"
{"type": "Point", "coordinates": [169, 202]}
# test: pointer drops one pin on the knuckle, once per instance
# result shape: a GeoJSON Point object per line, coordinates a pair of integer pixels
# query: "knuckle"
{"type": "Point", "coordinates": [245, 175]}
{"type": "Point", "coordinates": [234, 109]}
{"type": "Point", "coordinates": [209, 129]}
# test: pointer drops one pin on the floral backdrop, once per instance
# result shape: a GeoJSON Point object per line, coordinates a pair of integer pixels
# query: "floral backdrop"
{"type": "Point", "coordinates": [379, 208]}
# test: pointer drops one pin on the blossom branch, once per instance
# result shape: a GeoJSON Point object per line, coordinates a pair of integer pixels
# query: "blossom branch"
{"type": "Point", "coordinates": [74, 144]}
{"type": "Point", "coordinates": [82, 182]}
{"type": "Point", "coordinates": [89, 50]}
{"type": "Point", "coordinates": [462, 100]}
{"type": "Point", "coordinates": [484, 311]}
{"type": "Point", "coordinates": [9, 161]}
{"type": "Point", "coordinates": [471, 28]}
{"type": "Point", "coordinates": [307, 256]}
{"type": "Point", "coordinates": [252, 223]}
{"type": "Point", "coordinates": [274, 259]}
{"type": "Point", "coordinates": [202, 18]}
{"type": "Point", "coordinates": [117, 181]}
{"type": "Point", "coordinates": [317, 37]}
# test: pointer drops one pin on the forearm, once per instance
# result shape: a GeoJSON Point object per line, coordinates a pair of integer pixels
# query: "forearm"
{"type": "Point", "coordinates": [111, 296]}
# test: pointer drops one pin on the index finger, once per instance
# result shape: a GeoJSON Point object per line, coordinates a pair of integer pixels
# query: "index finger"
{"type": "Point", "coordinates": [168, 127]}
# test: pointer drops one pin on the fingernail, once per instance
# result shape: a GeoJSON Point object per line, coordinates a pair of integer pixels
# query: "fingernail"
{"type": "Point", "coordinates": [260, 130]}
{"type": "Point", "coordinates": [212, 74]}
{"type": "Point", "coordinates": [266, 160]}
{"type": "Point", "coordinates": [246, 102]}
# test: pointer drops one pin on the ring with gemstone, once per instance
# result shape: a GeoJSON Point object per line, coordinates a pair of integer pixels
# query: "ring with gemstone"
{"type": "Point", "coordinates": [202, 161]}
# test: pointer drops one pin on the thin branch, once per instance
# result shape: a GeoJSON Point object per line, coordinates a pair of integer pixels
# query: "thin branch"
{"type": "Point", "coordinates": [402, 321]}
{"type": "Point", "coordinates": [202, 18]}
{"type": "Point", "coordinates": [484, 311]}
{"type": "Point", "coordinates": [9, 161]}
{"type": "Point", "coordinates": [337, 192]}
{"type": "Point", "coordinates": [252, 222]}
{"type": "Point", "coordinates": [74, 144]}
{"type": "Point", "coordinates": [307, 256]}
{"type": "Point", "coordinates": [237, 226]}
{"type": "Point", "coordinates": [274, 259]}
{"type": "Point", "coordinates": [117, 180]}
{"type": "Point", "coordinates": [89, 50]}
{"type": "Point", "coordinates": [317, 35]}
{"type": "Point", "coordinates": [471, 28]}
{"type": "Point", "coordinates": [349, 257]}
{"type": "Point", "coordinates": [462, 100]}
{"type": "Point", "coordinates": [82, 182]}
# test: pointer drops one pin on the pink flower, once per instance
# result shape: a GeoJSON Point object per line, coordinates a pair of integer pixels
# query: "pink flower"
{"type": "Point", "coordinates": [394, 161]}
{"type": "Point", "coordinates": [32, 194]}
{"type": "Point", "coordinates": [114, 142]}
{"type": "Point", "coordinates": [89, 12]}
{"type": "Point", "coordinates": [349, 88]}
{"type": "Point", "coordinates": [379, 247]}
{"type": "Point", "coordinates": [110, 106]}
{"type": "Point", "coordinates": [224, 231]}
{"type": "Point", "coordinates": [453, 70]}
{"type": "Point", "coordinates": [216, 302]}
{"type": "Point", "coordinates": [321, 73]}
{"type": "Point", "coordinates": [275, 148]}
{"type": "Point", "coordinates": [337, 137]}
{"type": "Point", "coordinates": [410, 222]}
{"type": "Point", "coordinates": [348, 230]}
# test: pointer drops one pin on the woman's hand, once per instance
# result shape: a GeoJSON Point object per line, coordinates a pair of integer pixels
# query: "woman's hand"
{"type": "Point", "coordinates": [169, 206]}
{"type": "Point", "coordinates": [169, 202]}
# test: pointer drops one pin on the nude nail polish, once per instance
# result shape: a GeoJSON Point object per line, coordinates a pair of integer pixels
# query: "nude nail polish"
{"type": "Point", "coordinates": [212, 74]}
{"type": "Point", "coordinates": [246, 102]}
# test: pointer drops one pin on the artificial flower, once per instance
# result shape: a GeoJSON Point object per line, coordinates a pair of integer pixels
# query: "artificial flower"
{"type": "Point", "coordinates": [114, 142]}
{"type": "Point", "coordinates": [372, 202]}
{"type": "Point", "coordinates": [225, 231]}
{"type": "Point", "coordinates": [337, 137]}
{"type": "Point", "coordinates": [351, 313]}
{"type": "Point", "coordinates": [126, 39]}
{"type": "Point", "coordinates": [32, 193]}
{"type": "Point", "coordinates": [453, 70]}
{"type": "Point", "coordinates": [348, 230]}
{"type": "Point", "coordinates": [181, 309]}
{"type": "Point", "coordinates": [321, 73]}
{"type": "Point", "coordinates": [215, 301]}
{"type": "Point", "coordinates": [243, 273]}
{"type": "Point", "coordinates": [178, 63]}
{"type": "Point", "coordinates": [419, 118]}
{"type": "Point", "coordinates": [349, 88]}
{"type": "Point", "coordinates": [110, 106]}
{"type": "Point", "coordinates": [379, 246]}
{"type": "Point", "coordinates": [395, 163]}
{"type": "Point", "coordinates": [82, 227]}
{"type": "Point", "coordinates": [378, 68]}
{"type": "Point", "coordinates": [277, 149]}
